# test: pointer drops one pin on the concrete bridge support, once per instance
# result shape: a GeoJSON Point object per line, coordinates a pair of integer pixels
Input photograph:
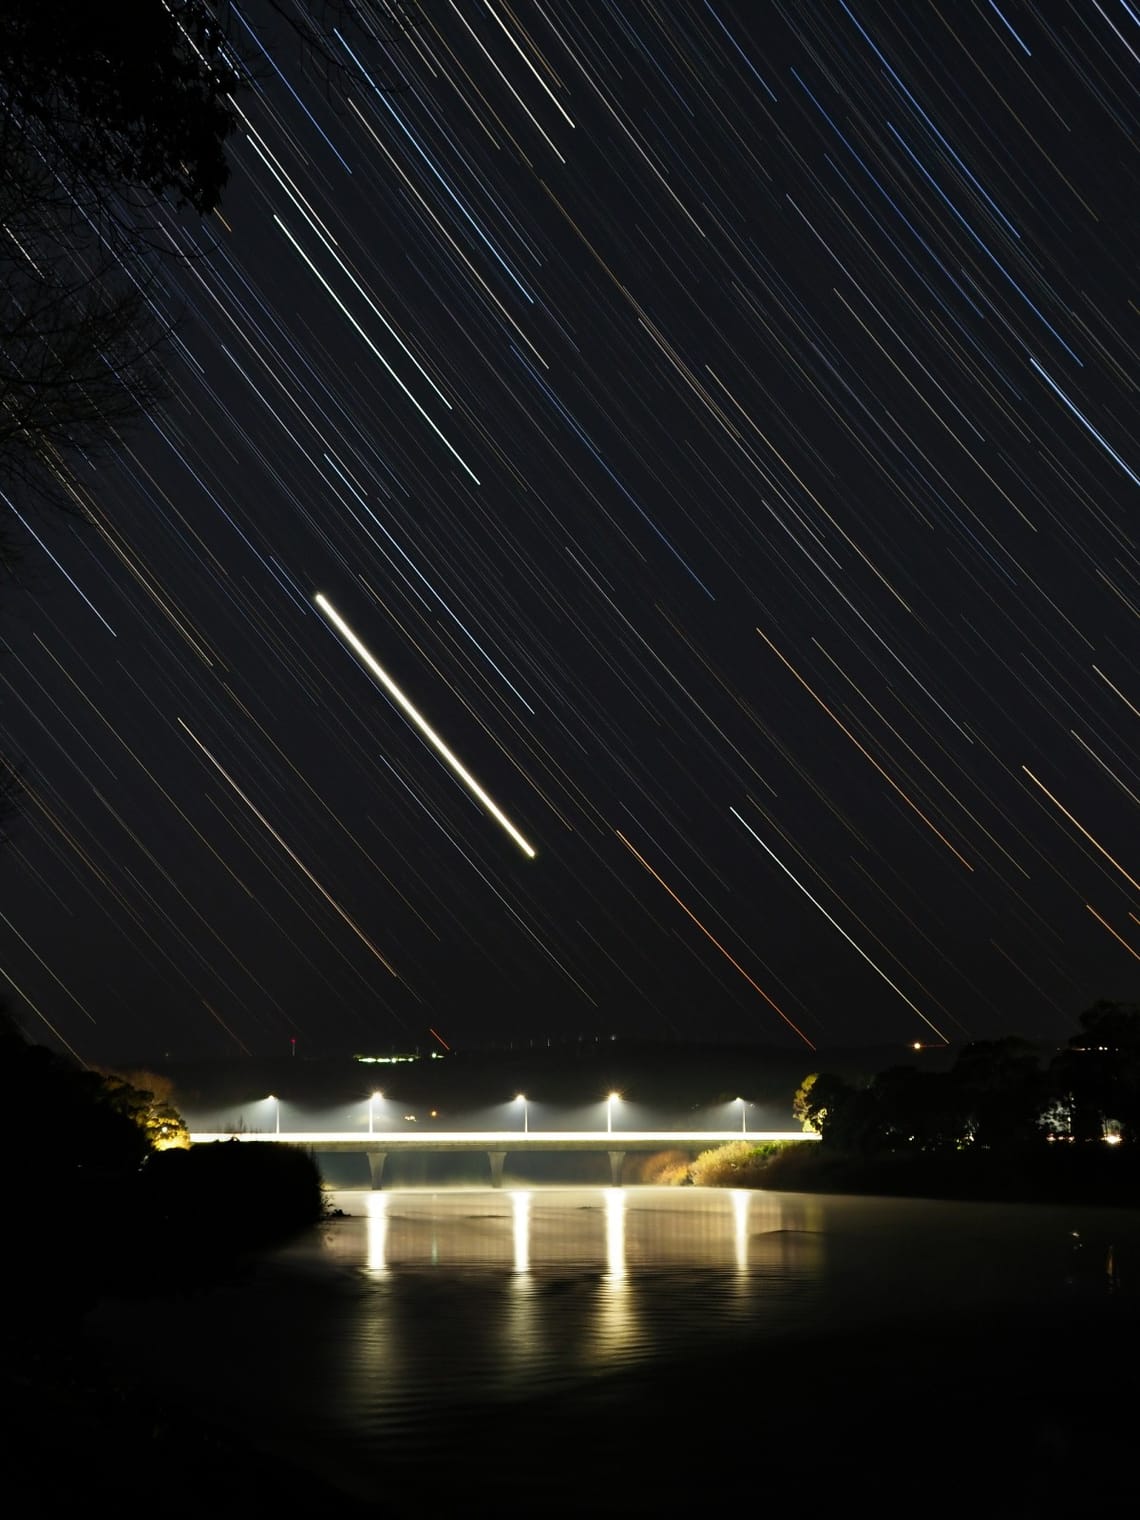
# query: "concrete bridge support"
{"type": "Point", "coordinates": [496, 1158]}
{"type": "Point", "coordinates": [376, 1160]}
{"type": "Point", "coordinates": [617, 1161]}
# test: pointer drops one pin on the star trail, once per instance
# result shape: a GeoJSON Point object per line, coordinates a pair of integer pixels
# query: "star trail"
{"type": "Point", "coordinates": [715, 425]}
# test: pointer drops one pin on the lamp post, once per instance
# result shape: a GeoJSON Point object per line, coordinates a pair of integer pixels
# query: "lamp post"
{"type": "Point", "coordinates": [276, 1113]}
{"type": "Point", "coordinates": [743, 1116]}
{"type": "Point", "coordinates": [610, 1101]}
{"type": "Point", "coordinates": [521, 1098]}
{"type": "Point", "coordinates": [372, 1099]}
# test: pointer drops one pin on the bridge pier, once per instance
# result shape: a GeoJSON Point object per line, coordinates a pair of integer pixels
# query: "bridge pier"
{"type": "Point", "coordinates": [617, 1161]}
{"type": "Point", "coordinates": [496, 1158]}
{"type": "Point", "coordinates": [376, 1160]}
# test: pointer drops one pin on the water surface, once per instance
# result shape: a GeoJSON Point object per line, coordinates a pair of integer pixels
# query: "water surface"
{"type": "Point", "coordinates": [436, 1348]}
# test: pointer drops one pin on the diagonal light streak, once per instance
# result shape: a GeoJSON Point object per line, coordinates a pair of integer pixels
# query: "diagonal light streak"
{"type": "Point", "coordinates": [1131, 880]}
{"type": "Point", "coordinates": [1112, 931]}
{"type": "Point", "coordinates": [893, 986]}
{"type": "Point", "coordinates": [731, 961]}
{"type": "Point", "coordinates": [293, 856]}
{"type": "Point", "coordinates": [421, 723]}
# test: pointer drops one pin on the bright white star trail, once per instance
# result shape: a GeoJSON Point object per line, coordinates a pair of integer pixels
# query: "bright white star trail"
{"type": "Point", "coordinates": [373, 664]}
{"type": "Point", "coordinates": [676, 411]}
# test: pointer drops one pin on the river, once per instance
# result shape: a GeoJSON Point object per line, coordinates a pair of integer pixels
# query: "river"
{"type": "Point", "coordinates": [637, 1351]}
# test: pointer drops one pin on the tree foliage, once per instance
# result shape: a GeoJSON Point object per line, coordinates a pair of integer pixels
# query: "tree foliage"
{"type": "Point", "coordinates": [824, 1103]}
{"type": "Point", "coordinates": [740, 1163]}
{"type": "Point", "coordinates": [135, 99]}
{"type": "Point", "coordinates": [145, 1099]}
{"type": "Point", "coordinates": [1096, 1079]}
{"type": "Point", "coordinates": [111, 120]}
{"type": "Point", "coordinates": [999, 1095]}
{"type": "Point", "coordinates": [62, 1114]}
{"type": "Point", "coordinates": [134, 1211]}
{"type": "Point", "coordinates": [1004, 1091]}
{"type": "Point", "coordinates": [229, 1198]}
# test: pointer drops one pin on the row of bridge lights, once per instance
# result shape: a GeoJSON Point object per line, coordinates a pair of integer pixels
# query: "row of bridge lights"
{"type": "Point", "coordinates": [611, 1099]}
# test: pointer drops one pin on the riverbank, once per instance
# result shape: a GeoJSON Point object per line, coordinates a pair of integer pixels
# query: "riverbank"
{"type": "Point", "coordinates": [592, 1351]}
{"type": "Point", "coordinates": [1099, 1176]}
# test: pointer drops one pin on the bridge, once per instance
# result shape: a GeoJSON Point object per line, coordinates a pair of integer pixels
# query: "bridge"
{"type": "Point", "coordinates": [498, 1144]}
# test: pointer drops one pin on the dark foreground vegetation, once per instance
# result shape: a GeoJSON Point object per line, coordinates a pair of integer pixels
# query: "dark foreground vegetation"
{"type": "Point", "coordinates": [1002, 1123]}
{"type": "Point", "coordinates": [139, 1211]}
{"type": "Point", "coordinates": [125, 1209]}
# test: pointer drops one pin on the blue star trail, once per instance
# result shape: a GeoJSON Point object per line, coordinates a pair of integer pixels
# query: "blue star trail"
{"type": "Point", "coordinates": [718, 426]}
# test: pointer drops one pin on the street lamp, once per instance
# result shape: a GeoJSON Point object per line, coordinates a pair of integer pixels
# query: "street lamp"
{"type": "Point", "coordinates": [521, 1098]}
{"type": "Point", "coordinates": [610, 1101]}
{"type": "Point", "coordinates": [277, 1113]}
{"type": "Point", "coordinates": [372, 1099]}
{"type": "Point", "coordinates": [743, 1116]}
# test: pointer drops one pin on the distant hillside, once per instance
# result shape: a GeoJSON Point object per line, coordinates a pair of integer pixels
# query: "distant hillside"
{"type": "Point", "coordinates": [665, 1075]}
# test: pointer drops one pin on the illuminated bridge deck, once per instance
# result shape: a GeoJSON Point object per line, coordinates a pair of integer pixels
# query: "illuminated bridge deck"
{"type": "Point", "coordinates": [498, 1144]}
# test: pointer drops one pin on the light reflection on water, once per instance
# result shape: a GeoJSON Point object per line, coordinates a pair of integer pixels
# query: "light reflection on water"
{"type": "Point", "coordinates": [519, 1293]}
{"type": "Point", "coordinates": [520, 1206]}
{"type": "Point", "coordinates": [612, 1228]}
{"type": "Point", "coordinates": [598, 1236]}
{"type": "Point", "coordinates": [416, 1311]}
{"type": "Point", "coordinates": [377, 1232]}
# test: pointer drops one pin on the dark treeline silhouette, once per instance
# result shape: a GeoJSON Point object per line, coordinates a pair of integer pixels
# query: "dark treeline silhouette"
{"type": "Point", "coordinates": [113, 137]}
{"type": "Point", "coordinates": [1005, 1120]}
{"type": "Point", "coordinates": [114, 127]}
{"type": "Point", "coordinates": [113, 134]}
{"type": "Point", "coordinates": [101, 1217]}
{"type": "Point", "coordinates": [102, 129]}
{"type": "Point", "coordinates": [147, 1213]}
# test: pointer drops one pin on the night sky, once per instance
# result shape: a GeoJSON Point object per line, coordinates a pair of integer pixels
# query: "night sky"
{"type": "Point", "coordinates": [719, 423]}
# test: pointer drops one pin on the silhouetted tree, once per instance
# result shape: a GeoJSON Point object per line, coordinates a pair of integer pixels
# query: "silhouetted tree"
{"type": "Point", "coordinates": [917, 1110]}
{"type": "Point", "coordinates": [59, 1134]}
{"type": "Point", "coordinates": [145, 1099]}
{"type": "Point", "coordinates": [126, 1215]}
{"type": "Point", "coordinates": [1003, 1091]}
{"type": "Point", "coordinates": [805, 1108]}
{"type": "Point", "coordinates": [107, 117]}
{"type": "Point", "coordinates": [901, 1108]}
{"type": "Point", "coordinates": [1095, 1081]}
{"type": "Point", "coordinates": [834, 1108]}
{"type": "Point", "coordinates": [133, 98]}
{"type": "Point", "coordinates": [60, 1115]}
{"type": "Point", "coordinates": [206, 1209]}
{"type": "Point", "coordinates": [113, 124]}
